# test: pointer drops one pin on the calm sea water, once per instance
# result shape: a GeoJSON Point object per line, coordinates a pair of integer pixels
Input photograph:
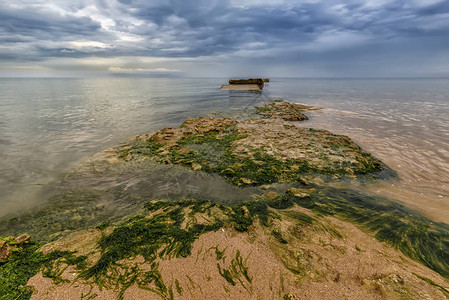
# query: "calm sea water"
{"type": "Point", "coordinates": [47, 126]}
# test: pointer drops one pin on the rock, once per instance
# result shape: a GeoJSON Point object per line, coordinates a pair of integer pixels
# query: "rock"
{"type": "Point", "coordinates": [205, 125]}
{"type": "Point", "coordinates": [266, 80]}
{"type": "Point", "coordinates": [283, 110]}
{"type": "Point", "coordinates": [23, 238]}
{"type": "Point", "coordinates": [396, 278]}
{"type": "Point", "coordinates": [5, 250]}
{"type": "Point", "coordinates": [246, 181]}
{"type": "Point", "coordinates": [298, 192]}
{"type": "Point", "coordinates": [275, 147]}
{"type": "Point", "coordinates": [184, 150]}
{"type": "Point", "coordinates": [196, 167]}
{"type": "Point", "coordinates": [258, 81]}
{"type": "Point", "coordinates": [270, 195]}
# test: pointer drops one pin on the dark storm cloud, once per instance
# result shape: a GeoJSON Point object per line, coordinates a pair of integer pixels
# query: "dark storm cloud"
{"type": "Point", "coordinates": [39, 23]}
{"type": "Point", "coordinates": [327, 34]}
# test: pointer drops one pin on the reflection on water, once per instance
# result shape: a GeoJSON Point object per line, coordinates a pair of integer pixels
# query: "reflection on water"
{"type": "Point", "coordinates": [48, 125]}
{"type": "Point", "coordinates": [402, 122]}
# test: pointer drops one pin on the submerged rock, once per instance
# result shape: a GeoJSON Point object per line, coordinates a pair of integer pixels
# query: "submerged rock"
{"type": "Point", "coordinates": [284, 110]}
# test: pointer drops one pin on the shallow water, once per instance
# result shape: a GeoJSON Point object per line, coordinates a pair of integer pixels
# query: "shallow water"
{"type": "Point", "coordinates": [47, 126]}
{"type": "Point", "coordinates": [402, 122]}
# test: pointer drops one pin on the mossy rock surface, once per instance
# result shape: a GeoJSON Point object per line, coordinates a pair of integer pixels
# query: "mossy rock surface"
{"type": "Point", "coordinates": [254, 152]}
{"type": "Point", "coordinates": [284, 110]}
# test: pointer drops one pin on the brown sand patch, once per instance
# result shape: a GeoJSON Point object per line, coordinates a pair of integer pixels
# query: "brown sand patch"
{"type": "Point", "coordinates": [198, 275]}
{"type": "Point", "coordinates": [328, 259]}
{"type": "Point", "coordinates": [355, 266]}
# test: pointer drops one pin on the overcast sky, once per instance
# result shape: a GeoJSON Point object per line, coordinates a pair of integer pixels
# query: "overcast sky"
{"type": "Point", "coordinates": [278, 38]}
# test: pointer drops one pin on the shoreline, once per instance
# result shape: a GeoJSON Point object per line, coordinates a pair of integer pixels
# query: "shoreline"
{"type": "Point", "coordinates": [288, 201]}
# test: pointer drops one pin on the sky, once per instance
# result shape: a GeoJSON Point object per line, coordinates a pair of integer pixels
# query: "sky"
{"type": "Point", "coordinates": [209, 38]}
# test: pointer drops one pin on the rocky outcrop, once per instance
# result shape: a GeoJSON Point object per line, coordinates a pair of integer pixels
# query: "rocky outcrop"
{"type": "Point", "coordinates": [284, 110]}
{"type": "Point", "coordinates": [258, 81]}
{"type": "Point", "coordinates": [244, 84]}
{"type": "Point", "coordinates": [256, 151]}
{"type": "Point", "coordinates": [7, 245]}
{"type": "Point", "coordinates": [5, 250]}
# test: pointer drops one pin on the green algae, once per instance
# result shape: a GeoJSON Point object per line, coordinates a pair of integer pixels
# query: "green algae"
{"type": "Point", "coordinates": [406, 230]}
{"type": "Point", "coordinates": [278, 236]}
{"type": "Point", "coordinates": [62, 213]}
{"type": "Point", "coordinates": [301, 217]}
{"type": "Point", "coordinates": [242, 220]}
{"type": "Point", "coordinates": [158, 236]}
{"type": "Point", "coordinates": [26, 262]}
{"type": "Point", "coordinates": [166, 230]}
{"type": "Point", "coordinates": [236, 272]}
{"type": "Point", "coordinates": [213, 152]}
{"type": "Point", "coordinates": [443, 289]}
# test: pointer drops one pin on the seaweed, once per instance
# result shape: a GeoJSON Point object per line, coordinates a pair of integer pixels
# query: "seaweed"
{"type": "Point", "coordinates": [242, 220]}
{"type": "Point", "coordinates": [236, 272]}
{"type": "Point", "coordinates": [26, 262]}
{"type": "Point", "coordinates": [278, 235]}
{"type": "Point", "coordinates": [160, 235]}
{"type": "Point", "coordinates": [301, 217]}
{"type": "Point", "coordinates": [414, 235]}
{"type": "Point", "coordinates": [443, 289]}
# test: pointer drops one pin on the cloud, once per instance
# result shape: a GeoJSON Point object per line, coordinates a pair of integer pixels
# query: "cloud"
{"type": "Point", "coordinates": [225, 34]}
{"type": "Point", "coordinates": [157, 72]}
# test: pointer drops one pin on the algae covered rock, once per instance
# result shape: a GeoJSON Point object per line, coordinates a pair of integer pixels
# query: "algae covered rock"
{"type": "Point", "coordinates": [5, 250]}
{"type": "Point", "coordinates": [7, 245]}
{"type": "Point", "coordinates": [23, 238]}
{"type": "Point", "coordinates": [254, 151]}
{"type": "Point", "coordinates": [284, 110]}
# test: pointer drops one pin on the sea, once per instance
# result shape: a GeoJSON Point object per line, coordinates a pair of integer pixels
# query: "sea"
{"type": "Point", "coordinates": [48, 126]}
